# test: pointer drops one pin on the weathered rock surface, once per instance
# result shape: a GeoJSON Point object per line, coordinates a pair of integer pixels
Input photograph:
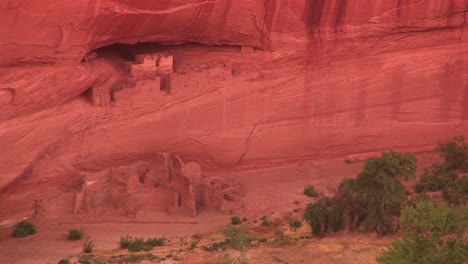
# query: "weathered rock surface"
{"type": "Point", "coordinates": [328, 79]}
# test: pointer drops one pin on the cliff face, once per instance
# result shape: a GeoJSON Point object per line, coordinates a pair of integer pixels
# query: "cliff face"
{"type": "Point", "coordinates": [330, 78]}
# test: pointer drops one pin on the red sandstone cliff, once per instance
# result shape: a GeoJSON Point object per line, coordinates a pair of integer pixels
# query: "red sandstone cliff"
{"type": "Point", "coordinates": [330, 78]}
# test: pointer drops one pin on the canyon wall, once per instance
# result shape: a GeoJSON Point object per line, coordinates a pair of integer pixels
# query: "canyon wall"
{"type": "Point", "coordinates": [328, 79]}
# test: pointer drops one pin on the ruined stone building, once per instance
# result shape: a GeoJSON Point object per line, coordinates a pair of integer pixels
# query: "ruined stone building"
{"type": "Point", "coordinates": [161, 184]}
{"type": "Point", "coordinates": [151, 77]}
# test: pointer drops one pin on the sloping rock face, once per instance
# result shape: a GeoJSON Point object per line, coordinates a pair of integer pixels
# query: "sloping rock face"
{"type": "Point", "coordinates": [329, 78]}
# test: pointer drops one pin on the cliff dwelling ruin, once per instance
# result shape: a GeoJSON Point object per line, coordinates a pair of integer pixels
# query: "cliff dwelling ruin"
{"type": "Point", "coordinates": [163, 183]}
{"type": "Point", "coordinates": [152, 72]}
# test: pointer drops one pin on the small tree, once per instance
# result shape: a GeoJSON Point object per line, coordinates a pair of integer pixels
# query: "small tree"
{"type": "Point", "coordinates": [455, 153]}
{"type": "Point", "coordinates": [314, 215]}
{"type": "Point", "coordinates": [24, 228]}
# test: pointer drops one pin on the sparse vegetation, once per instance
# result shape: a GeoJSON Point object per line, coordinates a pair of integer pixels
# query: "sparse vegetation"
{"type": "Point", "coordinates": [294, 224]}
{"type": "Point", "coordinates": [195, 240]}
{"type": "Point", "coordinates": [138, 244]}
{"type": "Point", "coordinates": [75, 234]}
{"type": "Point", "coordinates": [228, 259]}
{"type": "Point", "coordinates": [64, 261]}
{"type": "Point", "coordinates": [24, 228]}
{"type": "Point", "coordinates": [237, 237]}
{"type": "Point", "coordinates": [215, 246]}
{"type": "Point", "coordinates": [88, 247]}
{"type": "Point", "coordinates": [134, 258]}
{"type": "Point", "coordinates": [235, 220]}
{"type": "Point", "coordinates": [265, 222]}
{"type": "Point", "coordinates": [310, 191]}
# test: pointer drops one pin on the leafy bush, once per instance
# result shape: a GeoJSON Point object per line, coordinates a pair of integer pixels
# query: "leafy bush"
{"type": "Point", "coordinates": [309, 190]}
{"type": "Point", "coordinates": [423, 250]}
{"type": "Point", "coordinates": [237, 237]}
{"type": "Point", "coordinates": [235, 220]}
{"type": "Point", "coordinates": [88, 247]}
{"type": "Point", "coordinates": [427, 217]}
{"type": "Point", "coordinates": [75, 234]}
{"type": "Point", "coordinates": [294, 224]}
{"type": "Point", "coordinates": [432, 234]}
{"type": "Point", "coordinates": [64, 261]}
{"type": "Point", "coordinates": [24, 228]}
{"type": "Point", "coordinates": [138, 244]}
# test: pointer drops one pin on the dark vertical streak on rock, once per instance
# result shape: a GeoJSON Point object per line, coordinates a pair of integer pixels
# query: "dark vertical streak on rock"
{"type": "Point", "coordinates": [340, 14]}
{"type": "Point", "coordinates": [313, 14]}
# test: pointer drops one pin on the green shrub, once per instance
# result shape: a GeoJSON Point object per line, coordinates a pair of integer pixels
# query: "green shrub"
{"type": "Point", "coordinates": [294, 224]}
{"type": "Point", "coordinates": [215, 246]}
{"type": "Point", "coordinates": [75, 234]}
{"type": "Point", "coordinates": [235, 220]}
{"type": "Point", "coordinates": [88, 247]}
{"type": "Point", "coordinates": [456, 192]}
{"type": "Point", "coordinates": [237, 237]}
{"type": "Point", "coordinates": [436, 179]}
{"type": "Point", "coordinates": [265, 221]}
{"type": "Point", "coordinates": [24, 228]}
{"type": "Point", "coordinates": [309, 190]}
{"type": "Point", "coordinates": [64, 261]}
{"type": "Point", "coordinates": [427, 217]}
{"type": "Point", "coordinates": [156, 241]}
